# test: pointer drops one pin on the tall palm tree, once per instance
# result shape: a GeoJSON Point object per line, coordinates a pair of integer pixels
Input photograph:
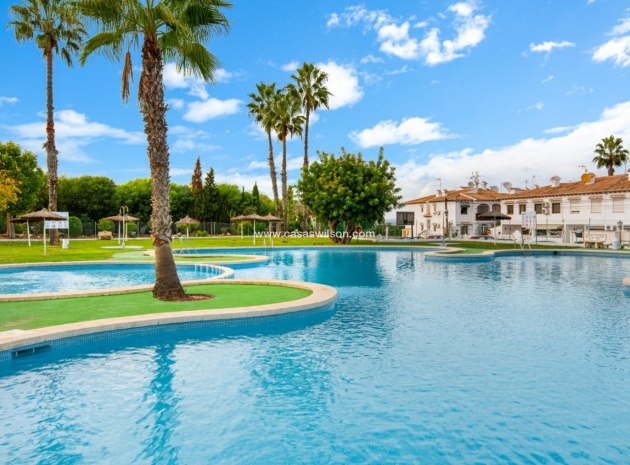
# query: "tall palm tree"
{"type": "Point", "coordinates": [261, 108]}
{"type": "Point", "coordinates": [56, 30]}
{"type": "Point", "coordinates": [610, 153]}
{"type": "Point", "coordinates": [310, 89]}
{"type": "Point", "coordinates": [165, 30]}
{"type": "Point", "coordinates": [288, 122]}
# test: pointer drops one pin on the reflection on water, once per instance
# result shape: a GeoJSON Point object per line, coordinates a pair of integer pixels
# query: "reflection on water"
{"type": "Point", "coordinates": [519, 360]}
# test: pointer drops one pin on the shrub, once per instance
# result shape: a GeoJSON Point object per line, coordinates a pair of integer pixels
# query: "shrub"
{"type": "Point", "coordinates": [76, 226]}
{"type": "Point", "coordinates": [106, 225]}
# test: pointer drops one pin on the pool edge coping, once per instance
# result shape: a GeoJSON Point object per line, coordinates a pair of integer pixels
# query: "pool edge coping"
{"type": "Point", "coordinates": [321, 296]}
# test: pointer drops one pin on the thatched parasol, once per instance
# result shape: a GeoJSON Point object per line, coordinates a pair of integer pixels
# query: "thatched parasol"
{"type": "Point", "coordinates": [122, 219]}
{"type": "Point", "coordinates": [187, 220]}
{"type": "Point", "coordinates": [41, 215]}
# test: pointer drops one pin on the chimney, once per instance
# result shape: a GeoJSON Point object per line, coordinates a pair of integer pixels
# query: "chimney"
{"type": "Point", "coordinates": [592, 180]}
{"type": "Point", "coordinates": [555, 181]}
{"type": "Point", "coordinates": [628, 175]}
{"type": "Point", "coordinates": [484, 185]}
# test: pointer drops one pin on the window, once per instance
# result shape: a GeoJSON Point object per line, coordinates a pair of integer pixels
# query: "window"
{"type": "Point", "coordinates": [618, 204]}
{"type": "Point", "coordinates": [596, 205]}
{"type": "Point", "coordinates": [538, 208]}
{"type": "Point", "coordinates": [510, 209]}
{"type": "Point", "coordinates": [574, 205]}
{"type": "Point", "coordinates": [464, 210]}
{"type": "Point", "coordinates": [555, 207]}
{"type": "Point", "coordinates": [403, 218]}
{"type": "Point", "coordinates": [522, 208]}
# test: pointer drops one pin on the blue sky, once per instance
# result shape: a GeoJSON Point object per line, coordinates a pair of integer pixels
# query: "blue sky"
{"type": "Point", "coordinates": [517, 91]}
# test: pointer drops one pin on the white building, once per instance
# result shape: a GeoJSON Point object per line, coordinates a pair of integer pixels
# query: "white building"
{"type": "Point", "coordinates": [564, 211]}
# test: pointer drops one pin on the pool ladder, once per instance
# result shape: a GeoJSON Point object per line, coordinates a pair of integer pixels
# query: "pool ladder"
{"type": "Point", "coordinates": [183, 248]}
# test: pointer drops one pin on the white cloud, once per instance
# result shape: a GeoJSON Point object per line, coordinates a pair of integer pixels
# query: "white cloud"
{"type": "Point", "coordinates": [179, 172]}
{"type": "Point", "coordinates": [371, 59]}
{"type": "Point", "coordinates": [548, 47]}
{"type": "Point", "coordinates": [395, 38]}
{"type": "Point", "coordinates": [618, 48]}
{"type": "Point", "coordinates": [409, 132]}
{"type": "Point", "coordinates": [622, 28]}
{"type": "Point", "coordinates": [547, 79]}
{"type": "Point", "coordinates": [10, 100]}
{"type": "Point", "coordinates": [343, 84]}
{"type": "Point", "coordinates": [290, 67]}
{"type": "Point", "coordinates": [546, 157]}
{"type": "Point", "coordinates": [579, 90]}
{"type": "Point", "coordinates": [73, 132]}
{"type": "Point", "coordinates": [176, 103]}
{"type": "Point", "coordinates": [199, 112]}
{"type": "Point", "coordinates": [188, 140]}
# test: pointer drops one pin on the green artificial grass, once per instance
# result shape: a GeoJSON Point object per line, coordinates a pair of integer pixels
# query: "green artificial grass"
{"type": "Point", "coordinates": [89, 249]}
{"type": "Point", "coordinates": [41, 313]}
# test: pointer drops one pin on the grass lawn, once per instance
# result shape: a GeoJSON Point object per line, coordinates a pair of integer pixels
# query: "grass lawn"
{"type": "Point", "coordinates": [42, 313]}
{"type": "Point", "coordinates": [89, 249]}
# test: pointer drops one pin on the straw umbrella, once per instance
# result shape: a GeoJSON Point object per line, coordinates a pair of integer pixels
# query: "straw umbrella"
{"type": "Point", "coordinates": [41, 215]}
{"type": "Point", "coordinates": [187, 220]}
{"type": "Point", "coordinates": [271, 219]}
{"type": "Point", "coordinates": [121, 219]}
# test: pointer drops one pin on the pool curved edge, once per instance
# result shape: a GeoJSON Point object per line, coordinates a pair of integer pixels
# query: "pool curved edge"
{"type": "Point", "coordinates": [226, 274]}
{"type": "Point", "coordinates": [322, 296]}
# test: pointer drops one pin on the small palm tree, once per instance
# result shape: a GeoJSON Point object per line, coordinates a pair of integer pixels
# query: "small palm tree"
{"type": "Point", "coordinates": [610, 153]}
{"type": "Point", "coordinates": [56, 30]}
{"type": "Point", "coordinates": [288, 122]}
{"type": "Point", "coordinates": [165, 30]}
{"type": "Point", "coordinates": [261, 108]}
{"type": "Point", "coordinates": [310, 89]}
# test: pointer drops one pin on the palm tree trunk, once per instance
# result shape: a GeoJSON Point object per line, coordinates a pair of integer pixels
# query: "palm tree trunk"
{"type": "Point", "coordinates": [305, 210]}
{"type": "Point", "coordinates": [51, 150]}
{"type": "Point", "coordinates": [274, 177]}
{"type": "Point", "coordinates": [283, 175]}
{"type": "Point", "coordinates": [151, 96]}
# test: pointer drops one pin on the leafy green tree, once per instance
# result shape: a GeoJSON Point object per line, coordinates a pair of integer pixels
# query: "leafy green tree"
{"type": "Point", "coordinates": [181, 201]}
{"type": "Point", "coordinates": [56, 29]}
{"type": "Point", "coordinates": [196, 185]}
{"type": "Point", "coordinates": [89, 198]}
{"type": "Point", "coordinates": [261, 108]}
{"type": "Point", "coordinates": [610, 153]}
{"type": "Point", "coordinates": [255, 198]}
{"type": "Point", "coordinates": [165, 30]}
{"type": "Point", "coordinates": [135, 195]}
{"type": "Point", "coordinates": [228, 202]}
{"type": "Point", "coordinates": [9, 189]}
{"type": "Point", "coordinates": [21, 167]}
{"type": "Point", "coordinates": [348, 189]}
{"type": "Point", "coordinates": [310, 89]}
{"type": "Point", "coordinates": [288, 122]}
{"type": "Point", "coordinates": [210, 198]}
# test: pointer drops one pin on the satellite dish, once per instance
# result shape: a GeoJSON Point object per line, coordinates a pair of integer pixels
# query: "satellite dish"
{"type": "Point", "coordinates": [471, 184]}
{"type": "Point", "coordinates": [507, 185]}
{"type": "Point", "coordinates": [494, 188]}
{"type": "Point", "coordinates": [586, 177]}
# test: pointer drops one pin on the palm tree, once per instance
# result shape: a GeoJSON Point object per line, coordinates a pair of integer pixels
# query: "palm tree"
{"type": "Point", "coordinates": [288, 122]}
{"type": "Point", "coordinates": [165, 30]}
{"type": "Point", "coordinates": [610, 153]}
{"type": "Point", "coordinates": [261, 108]}
{"type": "Point", "coordinates": [56, 29]}
{"type": "Point", "coordinates": [310, 89]}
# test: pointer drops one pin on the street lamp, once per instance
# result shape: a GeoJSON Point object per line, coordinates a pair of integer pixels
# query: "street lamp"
{"type": "Point", "coordinates": [620, 228]}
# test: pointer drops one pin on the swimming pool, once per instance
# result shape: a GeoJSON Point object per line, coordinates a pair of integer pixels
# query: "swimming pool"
{"type": "Point", "coordinates": [36, 279]}
{"type": "Point", "coordinates": [518, 360]}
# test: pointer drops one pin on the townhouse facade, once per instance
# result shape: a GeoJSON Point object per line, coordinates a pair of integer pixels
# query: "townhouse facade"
{"type": "Point", "coordinates": [563, 212]}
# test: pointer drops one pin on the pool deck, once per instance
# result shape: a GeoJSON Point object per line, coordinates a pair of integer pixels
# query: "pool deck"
{"type": "Point", "coordinates": [321, 296]}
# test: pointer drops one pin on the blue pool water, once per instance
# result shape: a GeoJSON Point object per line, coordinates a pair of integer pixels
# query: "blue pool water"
{"type": "Point", "coordinates": [519, 360]}
{"type": "Point", "coordinates": [78, 276]}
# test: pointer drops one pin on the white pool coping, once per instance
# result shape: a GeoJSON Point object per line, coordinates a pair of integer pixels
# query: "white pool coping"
{"type": "Point", "coordinates": [321, 296]}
